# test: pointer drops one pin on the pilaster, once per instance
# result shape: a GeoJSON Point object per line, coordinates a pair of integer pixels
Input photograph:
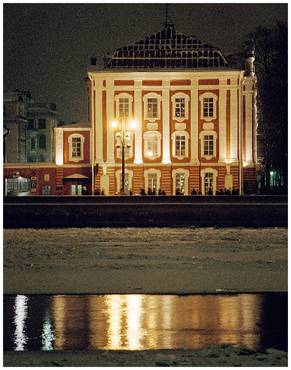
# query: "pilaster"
{"type": "Point", "coordinates": [166, 121]}
{"type": "Point", "coordinates": [194, 140]}
{"type": "Point", "coordinates": [222, 119]}
{"type": "Point", "coordinates": [233, 120]}
{"type": "Point", "coordinates": [138, 118]}
{"type": "Point", "coordinates": [110, 117]}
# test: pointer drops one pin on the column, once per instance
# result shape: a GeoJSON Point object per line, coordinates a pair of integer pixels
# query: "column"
{"type": "Point", "coordinates": [222, 119]}
{"type": "Point", "coordinates": [138, 118]}
{"type": "Point", "coordinates": [98, 121]}
{"type": "Point", "coordinates": [248, 126]}
{"type": "Point", "coordinates": [233, 121]}
{"type": "Point", "coordinates": [194, 120]}
{"type": "Point", "coordinates": [166, 121]}
{"type": "Point", "coordinates": [110, 118]}
{"type": "Point", "coordinates": [59, 146]}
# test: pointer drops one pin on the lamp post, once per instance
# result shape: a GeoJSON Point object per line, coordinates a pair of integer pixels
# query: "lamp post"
{"type": "Point", "coordinates": [124, 136]}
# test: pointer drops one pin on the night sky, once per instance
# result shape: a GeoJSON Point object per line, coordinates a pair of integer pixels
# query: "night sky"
{"type": "Point", "coordinates": [47, 47]}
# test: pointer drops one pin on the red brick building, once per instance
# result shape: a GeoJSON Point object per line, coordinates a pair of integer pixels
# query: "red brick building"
{"type": "Point", "coordinates": [189, 122]}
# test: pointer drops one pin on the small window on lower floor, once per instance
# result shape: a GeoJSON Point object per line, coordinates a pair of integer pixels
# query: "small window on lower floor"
{"type": "Point", "coordinates": [180, 183]}
{"type": "Point", "coordinates": [208, 183]}
{"type": "Point", "coordinates": [152, 183]}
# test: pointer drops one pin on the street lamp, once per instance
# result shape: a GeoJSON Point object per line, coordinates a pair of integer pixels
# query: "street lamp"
{"type": "Point", "coordinates": [123, 136]}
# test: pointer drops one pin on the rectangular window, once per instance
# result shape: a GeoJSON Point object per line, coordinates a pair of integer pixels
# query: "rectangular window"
{"type": "Point", "coordinates": [76, 189]}
{"type": "Point", "coordinates": [152, 108]}
{"type": "Point", "coordinates": [46, 190]}
{"type": "Point", "coordinates": [180, 184]}
{"type": "Point", "coordinates": [46, 177]}
{"type": "Point", "coordinates": [41, 123]}
{"type": "Point", "coordinates": [152, 149]}
{"type": "Point", "coordinates": [30, 125]}
{"type": "Point", "coordinates": [126, 183]}
{"type": "Point", "coordinates": [180, 107]}
{"type": "Point", "coordinates": [180, 145]}
{"type": "Point", "coordinates": [17, 185]}
{"type": "Point", "coordinates": [32, 143]}
{"type": "Point", "coordinates": [123, 108]}
{"type": "Point", "coordinates": [208, 145]}
{"type": "Point", "coordinates": [208, 107]}
{"type": "Point", "coordinates": [76, 147]}
{"type": "Point", "coordinates": [128, 150]}
{"type": "Point", "coordinates": [208, 183]}
{"type": "Point", "coordinates": [152, 183]}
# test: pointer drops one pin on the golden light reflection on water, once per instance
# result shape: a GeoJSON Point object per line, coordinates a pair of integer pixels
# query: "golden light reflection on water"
{"type": "Point", "coordinates": [139, 322]}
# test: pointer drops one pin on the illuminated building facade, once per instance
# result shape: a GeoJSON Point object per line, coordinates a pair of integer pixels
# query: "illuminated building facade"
{"type": "Point", "coordinates": [195, 118]}
{"type": "Point", "coordinates": [189, 121]}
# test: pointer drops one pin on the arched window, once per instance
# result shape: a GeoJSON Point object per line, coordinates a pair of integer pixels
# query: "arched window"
{"type": "Point", "coordinates": [76, 144]}
{"type": "Point", "coordinates": [152, 144]}
{"type": "Point", "coordinates": [42, 142]}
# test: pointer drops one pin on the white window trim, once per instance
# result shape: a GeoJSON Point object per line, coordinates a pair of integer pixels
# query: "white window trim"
{"type": "Point", "coordinates": [118, 182]}
{"type": "Point", "coordinates": [146, 136]}
{"type": "Point", "coordinates": [119, 150]}
{"type": "Point", "coordinates": [146, 177]}
{"type": "Point", "coordinates": [201, 136]}
{"type": "Point", "coordinates": [201, 98]}
{"type": "Point", "coordinates": [183, 171]}
{"type": "Point", "coordinates": [145, 99]}
{"type": "Point", "coordinates": [130, 100]}
{"type": "Point", "coordinates": [81, 157]}
{"type": "Point", "coordinates": [180, 133]}
{"type": "Point", "coordinates": [202, 174]}
{"type": "Point", "coordinates": [173, 99]}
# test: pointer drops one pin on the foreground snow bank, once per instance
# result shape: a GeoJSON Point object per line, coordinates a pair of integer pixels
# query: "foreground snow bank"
{"type": "Point", "coordinates": [145, 260]}
{"type": "Point", "coordinates": [224, 355]}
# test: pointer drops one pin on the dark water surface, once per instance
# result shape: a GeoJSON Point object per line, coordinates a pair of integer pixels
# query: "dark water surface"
{"type": "Point", "coordinates": [142, 322]}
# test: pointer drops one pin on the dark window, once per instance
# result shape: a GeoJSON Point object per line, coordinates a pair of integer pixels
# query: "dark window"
{"type": "Point", "coordinates": [31, 124]}
{"type": "Point", "coordinates": [42, 123]}
{"type": "Point", "coordinates": [42, 142]}
{"type": "Point", "coordinates": [32, 143]}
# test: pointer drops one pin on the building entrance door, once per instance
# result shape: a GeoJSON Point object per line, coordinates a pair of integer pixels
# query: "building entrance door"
{"type": "Point", "coordinates": [76, 189]}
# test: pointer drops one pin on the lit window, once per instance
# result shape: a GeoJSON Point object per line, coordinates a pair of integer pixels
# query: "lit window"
{"type": "Point", "coordinates": [208, 145]}
{"type": "Point", "coordinates": [208, 107]}
{"type": "Point", "coordinates": [208, 102]}
{"type": "Point", "coordinates": [180, 183]}
{"type": "Point", "coordinates": [152, 108]}
{"type": "Point", "coordinates": [126, 183]}
{"type": "Point", "coordinates": [152, 146]}
{"type": "Point", "coordinates": [152, 183]}
{"type": "Point", "coordinates": [128, 147]}
{"type": "Point", "coordinates": [76, 147]}
{"type": "Point", "coordinates": [123, 107]}
{"type": "Point", "coordinates": [180, 145]}
{"type": "Point", "coordinates": [180, 107]}
{"type": "Point", "coordinates": [208, 183]}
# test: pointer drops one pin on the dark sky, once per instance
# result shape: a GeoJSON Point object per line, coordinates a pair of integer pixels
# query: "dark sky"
{"type": "Point", "coordinates": [47, 47]}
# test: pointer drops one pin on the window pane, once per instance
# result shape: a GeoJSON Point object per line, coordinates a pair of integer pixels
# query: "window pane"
{"type": "Point", "coordinates": [123, 108]}
{"type": "Point", "coordinates": [152, 108]}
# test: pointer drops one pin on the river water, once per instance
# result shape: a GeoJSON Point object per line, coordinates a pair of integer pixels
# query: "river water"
{"type": "Point", "coordinates": [143, 322]}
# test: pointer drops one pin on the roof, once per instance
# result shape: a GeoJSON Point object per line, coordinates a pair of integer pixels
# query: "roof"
{"type": "Point", "coordinates": [75, 125]}
{"type": "Point", "coordinates": [167, 49]}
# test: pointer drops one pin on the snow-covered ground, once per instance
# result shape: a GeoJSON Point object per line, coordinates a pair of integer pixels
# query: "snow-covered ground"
{"type": "Point", "coordinates": [145, 260]}
{"type": "Point", "coordinates": [212, 356]}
